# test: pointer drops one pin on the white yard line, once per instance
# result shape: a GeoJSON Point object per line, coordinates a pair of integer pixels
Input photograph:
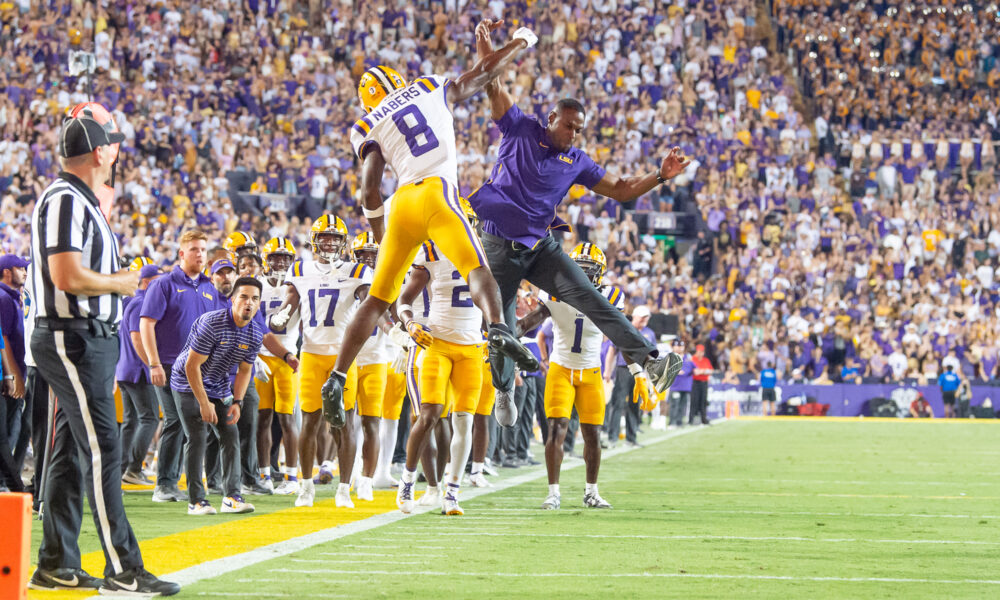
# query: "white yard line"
{"type": "Point", "coordinates": [228, 564]}
{"type": "Point", "coordinates": [774, 513]}
{"type": "Point", "coordinates": [603, 574]}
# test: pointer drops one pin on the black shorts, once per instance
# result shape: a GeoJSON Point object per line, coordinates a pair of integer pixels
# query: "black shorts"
{"type": "Point", "coordinates": [767, 395]}
{"type": "Point", "coordinates": [948, 397]}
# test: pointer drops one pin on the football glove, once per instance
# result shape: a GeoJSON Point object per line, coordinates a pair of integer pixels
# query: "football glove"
{"type": "Point", "coordinates": [399, 363]}
{"type": "Point", "coordinates": [419, 334]}
{"type": "Point", "coordinates": [643, 393]}
{"type": "Point", "coordinates": [280, 319]}
{"type": "Point", "coordinates": [263, 372]}
{"type": "Point", "coordinates": [398, 336]}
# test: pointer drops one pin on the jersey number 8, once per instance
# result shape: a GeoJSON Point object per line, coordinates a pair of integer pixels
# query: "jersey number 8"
{"type": "Point", "coordinates": [412, 131]}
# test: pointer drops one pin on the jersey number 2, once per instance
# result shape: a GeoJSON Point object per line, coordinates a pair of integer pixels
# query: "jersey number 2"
{"type": "Point", "coordinates": [412, 131]}
{"type": "Point", "coordinates": [457, 293]}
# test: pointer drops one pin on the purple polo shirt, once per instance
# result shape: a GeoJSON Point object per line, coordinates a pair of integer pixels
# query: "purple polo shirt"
{"type": "Point", "coordinates": [518, 202]}
{"type": "Point", "coordinates": [12, 322]}
{"type": "Point", "coordinates": [130, 368]}
{"type": "Point", "coordinates": [175, 301]}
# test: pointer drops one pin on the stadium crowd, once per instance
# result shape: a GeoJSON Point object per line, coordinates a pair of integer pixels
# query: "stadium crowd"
{"type": "Point", "coordinates": [845, 176]}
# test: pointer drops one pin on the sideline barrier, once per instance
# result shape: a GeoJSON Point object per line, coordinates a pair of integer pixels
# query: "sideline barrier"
{"type": "Point", "coordinates": [15, 516]}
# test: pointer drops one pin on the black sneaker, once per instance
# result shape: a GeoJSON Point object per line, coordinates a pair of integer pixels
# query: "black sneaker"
{"type": "Point", "coordinates": [138, 583]}
{"type": "Point", "coordinates": [333, 400]}
{"type": "Point", "coordinates": [663, 371]}
{"type": "Point", "coordinates": [63, 579]}
{"type": "Point", "coordinates": [503, 341]}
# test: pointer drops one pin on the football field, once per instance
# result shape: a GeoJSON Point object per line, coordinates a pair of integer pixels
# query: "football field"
{"type": "Point", "coordinates": [817, 508]}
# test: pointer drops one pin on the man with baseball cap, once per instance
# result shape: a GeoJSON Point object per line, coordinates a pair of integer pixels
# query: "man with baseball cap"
{"type": "Point", "coordinates": [141, 410]}
{"type": "Point", "coordinates": [15, 422]}
{"type": "Point", "coordinates": [77, 286]}
{"type": "Point", "coordinates": [621, 393]}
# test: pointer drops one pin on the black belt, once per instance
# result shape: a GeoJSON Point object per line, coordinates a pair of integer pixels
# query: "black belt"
{"type": "Point", "coordinates": [94, 326]}
{"type": "Point", "coordinates": [516, 246]}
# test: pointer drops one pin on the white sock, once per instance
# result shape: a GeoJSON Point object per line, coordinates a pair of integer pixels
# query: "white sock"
{"type": "Point", "coordinates": [265, 472]}
{"type": "Point", "coordinates": [328, 464]}
{"type": "Point", "coordinates": [453, 490]}
{"type": "Point", "coordinates": [553, 489]}
{"type": "Point", "coordinates": [387, 430]}
{"type": "Point", "coordinates": [408, 476]}
{"type": "Point", "coordinates": [344, 488]}
{"type": "Point", "coordinates": [431, 489]}
{"type": "Point", "coordinates": [292, 473]}
{"type": "Point", "coordinates": [591, 488]}
{"type": "Point", "coordinates": [461, 446]}
{"type": "Point", "coordinates": [477, 467]}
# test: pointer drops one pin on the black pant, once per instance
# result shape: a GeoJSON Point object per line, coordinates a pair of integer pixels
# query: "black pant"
{"type": "Point", "coordinates": [247, 428]}
{"type": "Point", "coordinates": [171, 447]}
{"type": "Point", "coordinates": [621, 401]}
{"type": "Point", "coordinates": [526, 397]}
{"type": "Point", "coordinates": [12, 415]}
{"type": "Point", "coordinates": [194, 448]}
{"type": "Point", "coordinates": [86, 451]}
{"type": "Point", "coordinates": [140, 416]}
{"type": "Point", "coordinates": [36, 393]}
{"type": "Point", "coordinates": [548, 267]}
{"type": "Point", "coordinates": [699, 401]}
{"type": "Point", "coordinates": [678, 407]}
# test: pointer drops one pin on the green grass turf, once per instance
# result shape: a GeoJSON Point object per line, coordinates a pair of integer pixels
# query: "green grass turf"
{"type": "Point", "coordinates": [861, 499]}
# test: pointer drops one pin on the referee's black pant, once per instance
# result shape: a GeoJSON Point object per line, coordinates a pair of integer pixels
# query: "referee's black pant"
{"type": "Point", "coordinates": [79, 366]}
{"type": "Point", "coordinates": [548, 267]}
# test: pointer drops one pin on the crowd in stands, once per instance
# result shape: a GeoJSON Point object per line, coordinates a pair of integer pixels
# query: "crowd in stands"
{"type": "Point", "coordinates": [844, 155]}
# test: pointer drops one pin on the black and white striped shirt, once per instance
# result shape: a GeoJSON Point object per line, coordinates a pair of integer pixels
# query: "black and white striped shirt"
{"type": "Point", "coordinates": [68, 218]}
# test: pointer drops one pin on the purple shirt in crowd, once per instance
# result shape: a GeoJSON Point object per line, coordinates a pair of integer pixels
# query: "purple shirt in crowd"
{"type": "Point", "coordinates": [518, 202]}
{"type": "Point", "coordinates": [216, 335]}
{"type": "Point", "coordinates": [175, 301]}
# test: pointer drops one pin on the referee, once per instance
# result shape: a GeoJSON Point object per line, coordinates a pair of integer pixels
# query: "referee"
{"type": "Point", "coordinates": [77, 285]}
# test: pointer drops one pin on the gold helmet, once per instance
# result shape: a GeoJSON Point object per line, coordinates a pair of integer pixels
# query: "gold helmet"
{"type": "Point", "coordinates": [329, 225]}
{"type": "Point", "coordinates": [139, 262]}
{"type": "Point", "coordinates": [377, 83]}
{"type": "Point", "coordinates": [364, 248]}
{"type": "Point", "coordinates": [467, 210]}
{"type": "Point", "coordinates": [238, 244]}
{"type": "Point", "coordinates": [278, 255]}
{"type": "Point", "coordinates": [592, 260]}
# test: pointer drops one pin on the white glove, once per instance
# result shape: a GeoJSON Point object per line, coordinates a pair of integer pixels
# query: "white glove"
{"type": "Point", "coordinates": [263, 372]}
{"type": "Point", "coordinates": [280, 319]}
{"type": "Point", "coordinates": [399, 336]}
{"type": "Point", "coordinates": [399, 363]}
{"type": "Point", "coordinates": [527, 35]}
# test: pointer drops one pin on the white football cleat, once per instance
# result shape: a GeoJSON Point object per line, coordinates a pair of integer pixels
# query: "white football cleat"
{"type": "Point", "coordinates": [449, 506]}
{"type": "Point", "coordinates": [552, 502]}
{"type": "Point", "coordinates": [384, 481]}
{"type": "Point", "coordinates": [431, 497]}
{"type": "Point", "coordinates": [595, 501]}
{"type": "Point", "coordinates": [343, 497]}
{"type": "Point", "coordinates": [236, 505]}
{"type": "Point", "coordinates": [366, 489]}
{"type": "Point", "coordinates": [404, 497]}
{"type": "Point", "coordinates": [202, 508]}
{"type": "Point", "coordinates": [287, 488]}
{"type": "Point", "coordinates": [479, 480]}
{"type": "Point", "coordinates": [307, 493]}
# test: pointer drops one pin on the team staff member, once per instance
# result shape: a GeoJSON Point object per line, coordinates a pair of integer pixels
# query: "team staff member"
{"type": "Point", "coordinates": [625, 384]}
{"type": "Point", "coordinates": [141, 413]}
{"type": "Point", "coordinates": [699, 385]}
{"type": "Point", "coordinates": [15, 423]}
{"type": "Point", "coordinates": [536, 166]}
{"type": "Point", "coordinates": [171, 305]}
{"type": "Point", "coordinates": [77, 284]}
{"type": "Point", "coordinates": [200, 382]}
{"type": "Point", "coordinates": [949, 383]}
{"type": "Point", "coordinates": [680, 392]}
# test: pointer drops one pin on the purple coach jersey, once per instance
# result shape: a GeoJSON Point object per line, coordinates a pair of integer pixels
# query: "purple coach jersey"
{"type": "Point", "coordinates": [530, 179]}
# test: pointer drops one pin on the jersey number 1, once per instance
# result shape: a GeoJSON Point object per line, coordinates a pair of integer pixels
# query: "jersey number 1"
{"type": "Point", "coordinates": [412, 131]}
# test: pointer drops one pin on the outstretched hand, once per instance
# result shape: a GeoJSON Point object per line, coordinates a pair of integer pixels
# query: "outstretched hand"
{"type": "Point", "coordinates": [674, 163]}
{"type": "Point", "coordinates": [484, 45]}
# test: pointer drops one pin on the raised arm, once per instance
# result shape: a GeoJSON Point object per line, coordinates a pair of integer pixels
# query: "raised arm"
{"type": "Point", "coordinates": [500, 99]}
{"type": "Point", "coordinates": [626, 189]}
{"type": "Point", "coordinates": [489, 67]}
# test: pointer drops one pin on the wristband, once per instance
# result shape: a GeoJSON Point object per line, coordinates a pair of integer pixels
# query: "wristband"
{"type": "Point", "coordinates": [285, 357]}
{"type": "Point", "coordinates": [238, 402]}
{"type": "Point", "coordinates": [659, 178]}
{"type": "Point", "coordinates": [527, 35]}
{"type": "Point", "coordinates": [400, 308]}
{"type": "Point", "coordinates": [156, 365]}
{"type": "Point", "coordinates": [371, 214]}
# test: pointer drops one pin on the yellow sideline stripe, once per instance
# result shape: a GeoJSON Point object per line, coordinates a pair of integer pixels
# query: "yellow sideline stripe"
{"type": "Point", "coordinates": [169, 553]}
{"type": "Point", "coordinates": [860, 419]}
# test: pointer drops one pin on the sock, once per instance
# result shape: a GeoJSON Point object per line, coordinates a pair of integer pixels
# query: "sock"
{"type": "Point", "coordinates": [477, 467]}
{"type": "Point", "coordinates": [387, 429]}
{"type": "Point", "coordinates": [453, 490]}
{"type": "Point", "coordinates": [634, 369]}
{"type": "Point", "coordinates": [461, 446]}
{"type": "Point", "coordinates": [431, 489]}
{"type": "Point", "coordinates": [265, 472]}
{"type": "Point", "coordinates": [590, 489]}
{"type": "Point", "coordinates": [328, 464]}
{"type": "Point", "coordinates": [553, 489]}
{"type": "Point", "coordinates": [292, 473]}
{"type": "Point", "coordinates": [344, 488]}
{"type": "Point", "coordinates": [408, 476]}
{"type": "Point", "coordinates": [343, 376]}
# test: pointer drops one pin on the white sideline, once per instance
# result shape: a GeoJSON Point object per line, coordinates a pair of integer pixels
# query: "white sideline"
{"type": "Point", "coordinates": [603, 575]}
{"type": "Point", "coordinates": [228, 564]}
